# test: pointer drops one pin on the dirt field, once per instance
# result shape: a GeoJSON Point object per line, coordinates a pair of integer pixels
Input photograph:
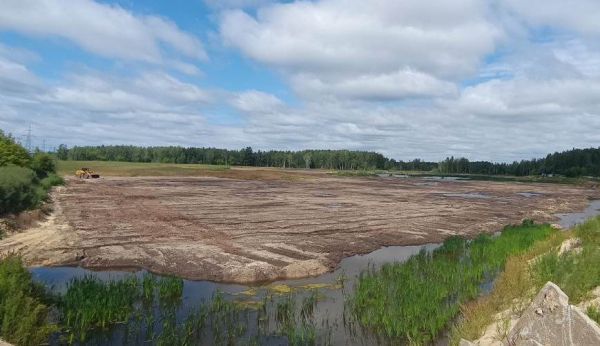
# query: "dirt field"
{"type": "Point", "coordinates": [247, 230]}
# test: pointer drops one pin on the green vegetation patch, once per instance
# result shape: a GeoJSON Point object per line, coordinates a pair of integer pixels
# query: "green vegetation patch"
{"type": "Point", "coordinates": [24, 179]}
{"type": "Point", "coordinates": [137, 169]}
{"type": "Point", "coordinates": [416, 300]}
{"type": "Point", "coordinates": [23, 313]}
{"type": "Point", "coordinates": [575, 272]}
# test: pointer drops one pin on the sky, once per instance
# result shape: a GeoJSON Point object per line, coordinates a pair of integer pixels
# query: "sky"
{"type": "Point", "coordinates": [496, 80]}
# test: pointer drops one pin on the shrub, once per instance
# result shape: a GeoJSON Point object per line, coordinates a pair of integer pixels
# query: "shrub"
{"type": "Point", "coordinates": [18, 189]}
{"type": "Point", "coordinates": [51, 180]}
{"type": "Point", "coordinates": [43, 165]}
{"type": "Point", "coordinates": [23, 315]}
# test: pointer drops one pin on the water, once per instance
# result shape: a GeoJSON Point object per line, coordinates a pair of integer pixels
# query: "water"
{"type": "Point", "coordinates": [573, 219]}
{"type": "Point", "coordinates": [529, 194]}
{"type": "Point", "coordinates": [476, 195]}
{"type": "Point", "coordinates": [328, 315]}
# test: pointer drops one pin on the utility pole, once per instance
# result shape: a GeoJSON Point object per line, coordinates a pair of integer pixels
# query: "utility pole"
{"type": "Point", "coordinates": [44, 145]}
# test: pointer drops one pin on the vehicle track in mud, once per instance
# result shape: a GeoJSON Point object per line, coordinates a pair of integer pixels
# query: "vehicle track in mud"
{"type": "Point", "coordinates": [241, 230]}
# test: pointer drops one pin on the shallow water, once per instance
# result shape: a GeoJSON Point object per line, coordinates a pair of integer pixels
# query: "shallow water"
{"type": "Point", "coordinates": [476, 195]}
{"type": "Point", "coordinates": [328, 314]}
{"type": "Point", "coordinates": [572, 219]}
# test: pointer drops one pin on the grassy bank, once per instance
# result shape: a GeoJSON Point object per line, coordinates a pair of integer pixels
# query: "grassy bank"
{"type": "Point", "coordinates": [23, 306]}
{"type": "Point", "coordinates": [415, 300]}
{"type": "Point", "coordinates": [575, 272]}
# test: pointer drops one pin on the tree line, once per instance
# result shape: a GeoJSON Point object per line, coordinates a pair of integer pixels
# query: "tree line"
{"type": "Point", "coordinates": [571, 163]}
{"type": "Point", "coordinates": [327, 159]}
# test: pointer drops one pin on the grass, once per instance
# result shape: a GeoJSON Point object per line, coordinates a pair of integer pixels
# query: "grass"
{"type": "Point", "coordinates": [91, 304]}
{"type": "Point", "coordinates": [575, 272]}
{"type": "Point", "coordinates": [136, 169]}
{"type": "Point", "coordinates": [146, 311]}
{"type": "Point", "coordinates": [23, 312]}
{"type": "Point", "coordinates": [414, 301]}
{"type": "Point", "coordinates": [594, 313]}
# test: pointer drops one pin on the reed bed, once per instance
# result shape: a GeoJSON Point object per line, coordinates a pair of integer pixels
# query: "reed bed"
{"type": "Point", "coordinates": [148, 310]}
{"type": "Point", "coordinates": [416, 300]}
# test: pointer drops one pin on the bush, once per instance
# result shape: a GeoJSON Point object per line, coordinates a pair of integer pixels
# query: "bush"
{"type": "Point", "coordinates": [51, 180]}
{"type": "Point", "coordinates": [18, 189]}
{"type": "Point", "coordinates": [43, 165]}
{"type": "Point", "coordinates": [12, 153]}
{"type": "Point", "coordinates": [23, 315]}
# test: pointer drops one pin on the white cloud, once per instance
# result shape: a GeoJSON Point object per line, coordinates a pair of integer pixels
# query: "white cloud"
{"type": "Point", "coordinates": [391, 86]}
{"type": "Point", "coordinates": [341, 44]}
{"type": "Point", "coordinates": [577, 15]}
{"type": "Point", "coordinates": [102, 29]}
{"type": "Point", "coordinates": [256, 101]}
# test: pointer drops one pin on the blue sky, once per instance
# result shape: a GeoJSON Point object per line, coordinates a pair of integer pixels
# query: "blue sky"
{"type": "Point", "coordinates": [496, 80]}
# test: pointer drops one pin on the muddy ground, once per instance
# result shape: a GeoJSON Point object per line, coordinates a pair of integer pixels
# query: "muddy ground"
{"type": "Point", "coordinates": [249, 230]}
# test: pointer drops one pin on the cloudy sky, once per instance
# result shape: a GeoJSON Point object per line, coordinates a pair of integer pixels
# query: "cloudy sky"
{"type": "Point", "coordinates": [486, 79]}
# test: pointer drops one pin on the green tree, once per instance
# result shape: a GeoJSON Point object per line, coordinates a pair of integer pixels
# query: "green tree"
{"type": "Point", "coordinates": [62, 153]}
{"type": "Point", "coordinates": [11, 152]}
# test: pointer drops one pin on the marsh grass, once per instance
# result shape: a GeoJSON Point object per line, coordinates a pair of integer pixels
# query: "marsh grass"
{"type": "Point", "coordinates": [414, 301]}
{"type": "Point", "coordinates": [91, 304]}
{"type": "Point", "coordinates": [513, 290]}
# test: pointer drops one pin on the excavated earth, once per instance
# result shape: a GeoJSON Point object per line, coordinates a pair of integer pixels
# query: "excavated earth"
{"type": "Point", "coordinates": [251, 230]}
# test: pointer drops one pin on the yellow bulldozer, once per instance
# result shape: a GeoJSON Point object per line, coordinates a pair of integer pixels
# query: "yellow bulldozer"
{"type": "Point", "coordinates": [86, 173]}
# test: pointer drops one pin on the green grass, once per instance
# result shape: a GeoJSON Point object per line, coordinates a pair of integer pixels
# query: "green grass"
{"type": "Point", "coordinates": [594, 313]}
{"type": "Point", "coordinates": [575, 272]}
{"type": "Point", "coordinates": [23, 312]}
{"type": "Point", "coordinates": [135, 169]}
{"type": "Point", "coordinates": [147, 307]}
{"type": "Point", "coordinates": [414, 301]}
{"type": "Point", "coordinates": [90, 304]}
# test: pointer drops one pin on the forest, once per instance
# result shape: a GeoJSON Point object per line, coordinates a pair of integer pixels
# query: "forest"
{"type": "Point", "coordinates": [571, 163]}
{"type": "Point", "coordinates": [327, 159]}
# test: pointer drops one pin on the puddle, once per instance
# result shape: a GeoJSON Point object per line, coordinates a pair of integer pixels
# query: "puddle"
{"type": "Point", "coordinates": [329, 313]}
{"type": "Point", "coordinates": [477, 195]}
{"type": "Point", "coordinates": [529, 194]}
{"type": "Point", "coordinates": [442, 178]}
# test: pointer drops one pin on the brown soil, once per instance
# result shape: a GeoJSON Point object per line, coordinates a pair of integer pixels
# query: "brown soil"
{"type": "Point", "coordinates": [244, 230]}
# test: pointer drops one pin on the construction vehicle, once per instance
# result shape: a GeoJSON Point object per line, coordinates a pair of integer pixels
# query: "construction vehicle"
{"type": "Point", "coordinates": [86, 173]}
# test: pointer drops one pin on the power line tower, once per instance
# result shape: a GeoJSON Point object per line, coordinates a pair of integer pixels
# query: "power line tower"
{"type": "Point", "coordinates": [28, 140]}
